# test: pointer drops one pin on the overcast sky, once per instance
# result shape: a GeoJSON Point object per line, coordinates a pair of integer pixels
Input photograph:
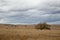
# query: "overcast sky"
{"type": "Point", "coordinates": [29, 11]}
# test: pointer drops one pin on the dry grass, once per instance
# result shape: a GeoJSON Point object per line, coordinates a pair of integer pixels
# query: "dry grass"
{"type": "Point", "coordinates": [17, 33]}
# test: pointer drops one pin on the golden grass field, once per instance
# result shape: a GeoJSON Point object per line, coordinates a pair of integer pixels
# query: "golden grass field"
{"type": "Point", "coordinates": [8, 32]}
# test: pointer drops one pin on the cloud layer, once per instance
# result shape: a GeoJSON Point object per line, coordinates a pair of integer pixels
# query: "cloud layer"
{"type": "Point", "coordinates": [29, 11]}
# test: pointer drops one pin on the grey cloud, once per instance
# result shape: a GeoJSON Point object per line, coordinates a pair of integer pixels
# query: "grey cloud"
{"type": "Point", "coordinates": [46, 11]}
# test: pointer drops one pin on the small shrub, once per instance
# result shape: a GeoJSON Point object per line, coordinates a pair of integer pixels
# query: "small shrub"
{"type": "Point", "coordinates": [42, 26]}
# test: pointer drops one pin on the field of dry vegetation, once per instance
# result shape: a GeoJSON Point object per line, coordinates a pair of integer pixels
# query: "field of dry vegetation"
{"type": "Point", "coordinates": [28, 32]}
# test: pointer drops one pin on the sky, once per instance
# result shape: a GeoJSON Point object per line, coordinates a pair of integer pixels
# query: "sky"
{"type": "Point", "coordinates": [29, 11]}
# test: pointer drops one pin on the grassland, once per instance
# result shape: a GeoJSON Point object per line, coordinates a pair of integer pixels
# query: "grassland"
{"type": "Point", "coordinates": [8, 32]}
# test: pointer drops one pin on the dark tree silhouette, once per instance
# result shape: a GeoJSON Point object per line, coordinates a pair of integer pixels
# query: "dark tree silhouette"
{"type": "Point", "coordinates": [43, 26]}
